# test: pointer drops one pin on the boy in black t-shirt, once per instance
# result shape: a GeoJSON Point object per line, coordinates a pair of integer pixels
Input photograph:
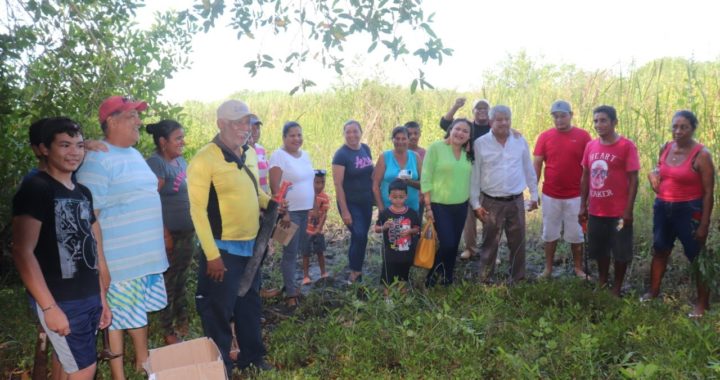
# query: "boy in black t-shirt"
{"type": "Point", "coordinates": [55, 250]}
{"type": "Point", "coordinates": [400, 226]}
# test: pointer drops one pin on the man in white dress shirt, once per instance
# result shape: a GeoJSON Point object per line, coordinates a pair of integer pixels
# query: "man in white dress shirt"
{"type": "Point", "coordinates": [501, 172]}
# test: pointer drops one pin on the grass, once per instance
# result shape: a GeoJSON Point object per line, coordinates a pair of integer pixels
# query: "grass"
{"type": "Point", "coordinates": [562, 328]}
{"type": "Point", "coordinates": [557, 329]}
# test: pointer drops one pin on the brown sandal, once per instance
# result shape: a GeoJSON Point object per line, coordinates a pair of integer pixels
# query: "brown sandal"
{"type": "Point", "coordinates": [270, 293]}
{"type": "Point", "coordinates": [106, 354]}
{"type": "Point", "coordinates": [292, 301]}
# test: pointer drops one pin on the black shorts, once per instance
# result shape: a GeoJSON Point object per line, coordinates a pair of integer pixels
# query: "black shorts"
{"type": "Point", "coordinates": [604, 239]}
{"type": "Point", "coordinates": [314, 245]}
{"type": "Point", "coordinates": [394, 271]}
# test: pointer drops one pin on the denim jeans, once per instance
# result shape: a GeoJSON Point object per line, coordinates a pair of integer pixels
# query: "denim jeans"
{"type": "Point", "coordinates": [218, 303]}
{"type": "Point", "coordinates": [361, 214]}
{"type": "Point", "coordinates": [449, 224]}
{"type": "Point", "coordinates": [679, 220]}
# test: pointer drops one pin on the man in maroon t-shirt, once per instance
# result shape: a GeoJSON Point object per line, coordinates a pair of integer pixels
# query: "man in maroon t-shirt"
{"type": "Point", "coordinates": [608, 189]}
{"type": "Point", "coordinates": [561, 149]}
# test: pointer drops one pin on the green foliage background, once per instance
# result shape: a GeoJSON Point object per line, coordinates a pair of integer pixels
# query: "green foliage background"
{"type": "Point", "coordinates": [62, 58]}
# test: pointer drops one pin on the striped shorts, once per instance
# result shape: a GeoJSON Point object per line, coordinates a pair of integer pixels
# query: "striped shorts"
{"type": "Point", "coordinates": [131, 300]}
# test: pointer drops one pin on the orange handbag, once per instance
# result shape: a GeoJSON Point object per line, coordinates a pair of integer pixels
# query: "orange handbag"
{"type": "Point", "coordinates": [427, 244]}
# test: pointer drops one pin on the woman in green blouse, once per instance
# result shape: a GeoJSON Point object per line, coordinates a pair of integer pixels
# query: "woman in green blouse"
{"type": "Point", "coordinates": [445, 184]}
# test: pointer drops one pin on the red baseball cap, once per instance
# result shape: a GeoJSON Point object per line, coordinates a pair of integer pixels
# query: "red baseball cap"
{"type": "Point", "coordinates": [119, 104]}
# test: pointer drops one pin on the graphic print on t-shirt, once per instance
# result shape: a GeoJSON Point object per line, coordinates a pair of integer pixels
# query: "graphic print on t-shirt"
{"type": "Point", "coordinates": [74, 236]}
{"type": "Point", "coordinates": [362, 162]}
{"type": "Point", "coordinates": [598, 174]}
{"type": "Point", "coordinates": [398, 242]}
{"type": "Point", "coordinates": [599, 171]}
{"type": "Point", "coordinates": [179, 179]}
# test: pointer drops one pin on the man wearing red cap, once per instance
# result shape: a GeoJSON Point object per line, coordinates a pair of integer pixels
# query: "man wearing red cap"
{"type": "Point", "coordinates": [128, 208]}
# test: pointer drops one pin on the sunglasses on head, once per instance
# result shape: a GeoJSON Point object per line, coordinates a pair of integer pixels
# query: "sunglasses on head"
{"type": "Point", "coordinates": [320, 172]}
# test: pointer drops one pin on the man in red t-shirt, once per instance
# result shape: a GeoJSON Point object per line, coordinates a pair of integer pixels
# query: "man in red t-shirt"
{"type": "Point", "coordinates": [608, 189]}
{"type": "Point", "coordinates": [561, 149]}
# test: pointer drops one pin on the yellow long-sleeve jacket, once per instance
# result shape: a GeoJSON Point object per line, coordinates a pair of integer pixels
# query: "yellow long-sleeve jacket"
{"type": "Point", "coordinates": [223, 203]}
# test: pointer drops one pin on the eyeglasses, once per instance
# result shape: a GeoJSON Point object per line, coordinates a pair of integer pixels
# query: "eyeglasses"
{"type": "Point", "coordinates": [320, 172]}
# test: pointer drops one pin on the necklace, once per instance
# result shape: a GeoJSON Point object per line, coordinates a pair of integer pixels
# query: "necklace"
{"type": "Point", "coordinates": [677, 154]}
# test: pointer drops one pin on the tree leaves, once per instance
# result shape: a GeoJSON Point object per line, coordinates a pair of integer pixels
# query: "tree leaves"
{"type": "Point", "coordinates": [325, 27]}
{"type": "Point", "coordinates": [63, 57]}
{"type": "Point", "coordinates": [420, 80]}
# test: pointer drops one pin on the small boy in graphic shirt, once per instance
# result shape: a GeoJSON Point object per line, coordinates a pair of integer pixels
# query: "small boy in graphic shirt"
{"type": "Point", "coordinates": [315, 243]}
{"type": "Point", "coordinates": [400, 226]}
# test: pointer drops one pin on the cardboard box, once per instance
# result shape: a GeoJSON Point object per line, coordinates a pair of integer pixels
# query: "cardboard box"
{"type": "Point", "coordinates": [197, 359]}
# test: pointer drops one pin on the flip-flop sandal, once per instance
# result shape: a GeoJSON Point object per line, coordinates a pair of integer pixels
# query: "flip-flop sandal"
{"type": "Point", "coordinates": [306, 281]}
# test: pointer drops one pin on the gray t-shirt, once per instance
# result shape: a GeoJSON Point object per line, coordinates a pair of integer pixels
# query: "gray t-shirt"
{"type": "Point", "coordinates": [174, 194]}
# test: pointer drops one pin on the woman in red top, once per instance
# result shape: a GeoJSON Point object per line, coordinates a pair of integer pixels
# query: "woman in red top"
{"type": "Point", "coordinates": [684, 181]}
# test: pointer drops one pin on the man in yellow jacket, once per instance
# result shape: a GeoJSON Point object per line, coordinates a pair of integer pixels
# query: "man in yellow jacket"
{"type": "Point", "coordinates": [225, 203]}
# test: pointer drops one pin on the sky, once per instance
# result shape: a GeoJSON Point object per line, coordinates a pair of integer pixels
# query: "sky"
{"type": "Point", "coordinates": [593, 35]}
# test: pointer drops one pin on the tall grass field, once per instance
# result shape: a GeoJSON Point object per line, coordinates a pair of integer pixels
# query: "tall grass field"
{"type": "Point", "coordinates": [645, 97]}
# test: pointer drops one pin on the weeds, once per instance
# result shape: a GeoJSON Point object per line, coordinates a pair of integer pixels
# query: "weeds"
{"type": "Point", "coordinates": [556, 329]}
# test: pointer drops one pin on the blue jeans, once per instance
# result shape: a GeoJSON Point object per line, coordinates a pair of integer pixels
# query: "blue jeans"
{"type": "Point", "coordinates": [449, 224]}
{"type": "Point", "coordinates": [361, 214]}
{"type": "Point", "coordinates": [218, 303]}
{"type": "Point", "coordinates": [288, 265]}
{"type": "Point", "coordinates": [677, 220]}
